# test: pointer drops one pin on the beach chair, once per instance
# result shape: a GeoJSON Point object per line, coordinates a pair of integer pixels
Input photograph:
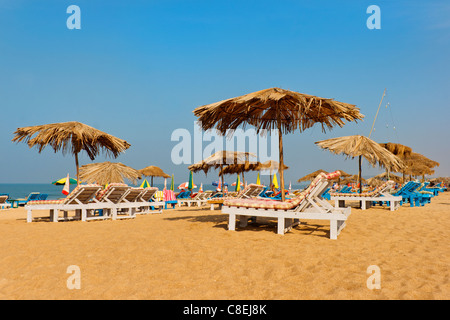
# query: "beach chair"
{"type": "Point", "coordinates": [199, 199]}
{"type": "Point", "coordinates": [409, 194]}
{"type": "Point", "coordinates": [308, 204]}
{"type": "Point", "coordinates": [184, 195]}
{"type": "Point", "coordinates": [4, 204]}
{"type": "Point", "coordinates": [251, 191]}
{"type": "Point", "coordinates": [130, 203]}
{"type": "Point", "coordinates": [31, 197]}
{"type": "Point", "coordinates": [380, 194]}
{"type": "Point", "coordinates": [80, 200]}
{"type": "Point", "coordinates": [148, 202]}
{"type": "Point", "coordinates": [110, 200]}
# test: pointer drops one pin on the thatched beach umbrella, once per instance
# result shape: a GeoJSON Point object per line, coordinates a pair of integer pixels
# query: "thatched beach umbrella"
{"type": "Point", "coordinates": [353, 178]}
{"type": "Point", "coordinates": [397, 149]}
{"type": "Point", "coordinates": [360, 146]}
{"type": "Point", "coordinates": [153, 171]}
{"type": "Point", "coordinates": [388, 176]}
{"type": "Point", "coordinates": [311, 176]}
{"type": "Point", "coordinates": [71, 137]}
{"type": "Point", "coordinates": [240, 168]}
{"type": "Point", "coordinates": [221, 159]}
{"type": "Point", "coordinates": [275, 108]}
{"type": "Point", "coordinates": [108, 172]}
{"type": "Point", "coordinates": [417, 164]}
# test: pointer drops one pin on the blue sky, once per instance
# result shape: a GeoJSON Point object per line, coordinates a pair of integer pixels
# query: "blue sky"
{"type": "Point", "coordinates": [137, 70]}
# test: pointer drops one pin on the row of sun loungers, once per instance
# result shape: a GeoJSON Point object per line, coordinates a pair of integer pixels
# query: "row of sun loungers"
{"type": "Point", "coordinates": [90, 202]}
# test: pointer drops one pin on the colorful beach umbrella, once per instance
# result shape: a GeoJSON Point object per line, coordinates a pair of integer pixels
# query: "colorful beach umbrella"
{"type": "Point", "coordinates": [185, 185]}
{"type": "Point", "coordinates": [275, 181]}
{"type": "Point", "coordinates": [238, 184]}
{"type": "Point", "coordinates": [66, 190]}
{"type": "Point", "coordinates": [62, 181]}
{"type": "Point", "coordinates": [258, 180]}
{"type": "Point", "coordinates": [191, 181]}
{"type": "Point", "coordinates": [145, 184]}
{"type": "Point", "coordinates": [201, 188]}
{"type": "Point", "coordinates": [172, 184]}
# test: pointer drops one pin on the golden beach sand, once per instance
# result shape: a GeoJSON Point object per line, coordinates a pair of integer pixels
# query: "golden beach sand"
{"type": "Point", "coordinates": [188, 253]}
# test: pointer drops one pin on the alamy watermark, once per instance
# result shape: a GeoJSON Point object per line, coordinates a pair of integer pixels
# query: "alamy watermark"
{"type": "Point", "coordinates": [74, 280]}
{"type": "Point", "coordinates": [195, 146]}
{"type": "Point", "coordinates": [374, 21]}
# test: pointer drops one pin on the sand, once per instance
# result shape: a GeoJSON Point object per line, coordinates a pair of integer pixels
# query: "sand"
{"type": "Point", "coordinates": [188, 253]}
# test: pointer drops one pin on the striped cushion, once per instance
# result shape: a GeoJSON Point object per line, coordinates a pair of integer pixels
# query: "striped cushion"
{"type": "Point", "coordinates": [278, 205]}
{"type": "Point", "coordinates": [60, 201]}
{"type": "Point", "coordinates": [372, 193]}
{"type": "Point", "coordinates": [111, 185]}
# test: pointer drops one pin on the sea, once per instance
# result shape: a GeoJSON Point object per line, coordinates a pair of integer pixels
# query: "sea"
{"type": "Point", "coordinates": [22, 190]}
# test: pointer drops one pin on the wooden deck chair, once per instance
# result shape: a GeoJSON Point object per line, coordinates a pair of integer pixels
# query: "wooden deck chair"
{"type": "Point", "coordinates": [380, 194]}
{"type": "Point", "coordinates": [130, 203]}
{"type": "Point", "coordinates": [251, 191]}
{"type": "Point", "coordinates": [110, 200]}
{"type": "Point", "coordinates": [199, 199]}
{"type": "Point", "coordinates": [80, 200]}
{"type": "Point", "coordinates": [148, 202]}
{"type": "Point", "coordinates": [304, 206]}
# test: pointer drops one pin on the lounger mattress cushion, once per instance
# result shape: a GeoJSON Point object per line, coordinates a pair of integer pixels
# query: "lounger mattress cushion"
{"type": "Point", "coordinates": [278, 205]}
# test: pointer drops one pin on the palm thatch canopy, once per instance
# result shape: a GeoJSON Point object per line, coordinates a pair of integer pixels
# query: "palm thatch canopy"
{"type": "Point", "coordinates": [221, 159]}
{"type": "Point", "coordinates": [417, 164]}
{"type": "Point", "coordinates": [276, 108]}
{"type": "Point", "coordinates": [385, 177]}
{"type": "Point", "coordinates": [153, 171]}
{"type": "Point", "coordinates": [239, 168]}
{"type": "Point", "coordinates": [353, 178]}
{"type": "Point", "coordinates": [108, 172]}
{"type": "Point", "coordinates": [311, 176]}
{"type": "Point", "coordinates": [360, 146]}
{"type": "Point", "coordinates": [71, 137]}
{"type": "Point", "coordinates": [397, 149]}
{"type": "Point", "coordinates": [374, 182]}
{"type": "Point", "coordinates": [266, 108]}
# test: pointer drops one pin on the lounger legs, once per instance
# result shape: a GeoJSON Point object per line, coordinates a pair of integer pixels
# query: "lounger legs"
{"type": "Point", "coordinates": [231, 221]}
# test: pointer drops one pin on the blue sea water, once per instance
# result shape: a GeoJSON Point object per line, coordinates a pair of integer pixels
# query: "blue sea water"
{"type": "Point", "coordinates": [22, 190]}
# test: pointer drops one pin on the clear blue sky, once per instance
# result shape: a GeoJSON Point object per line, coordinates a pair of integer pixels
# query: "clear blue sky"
{"type": "Point", "coordinates": [137, 69]}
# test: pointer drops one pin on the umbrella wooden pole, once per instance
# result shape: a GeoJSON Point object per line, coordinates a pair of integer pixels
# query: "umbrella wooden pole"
{"type": "Point", "coordinates": [280, 143]}
{"type": "Point", "coordinates": [359, 175]}
{"type": "Point", "coordinates": [152, 182]}
{"type": "Point", "coordinates": [78, 169]}
{"type": "Point", "coordinates": [222, 186]}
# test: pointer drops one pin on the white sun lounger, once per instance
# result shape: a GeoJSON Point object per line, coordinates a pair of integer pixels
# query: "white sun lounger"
{"type": "Point", "coordinates": [307, 205]}
{"type": "Point", "coordinates": [79, 200]}
{"type": "Point", "coordinates": [251, 191]}
{"type": "Point", "coordinates": [199, 199]}
{"type": "Point", "coordinates": [379, 194]}
{"type": "Point", "coordinates": [111, 200]}
{"type": "Point", "coordinates": [147, 201]}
